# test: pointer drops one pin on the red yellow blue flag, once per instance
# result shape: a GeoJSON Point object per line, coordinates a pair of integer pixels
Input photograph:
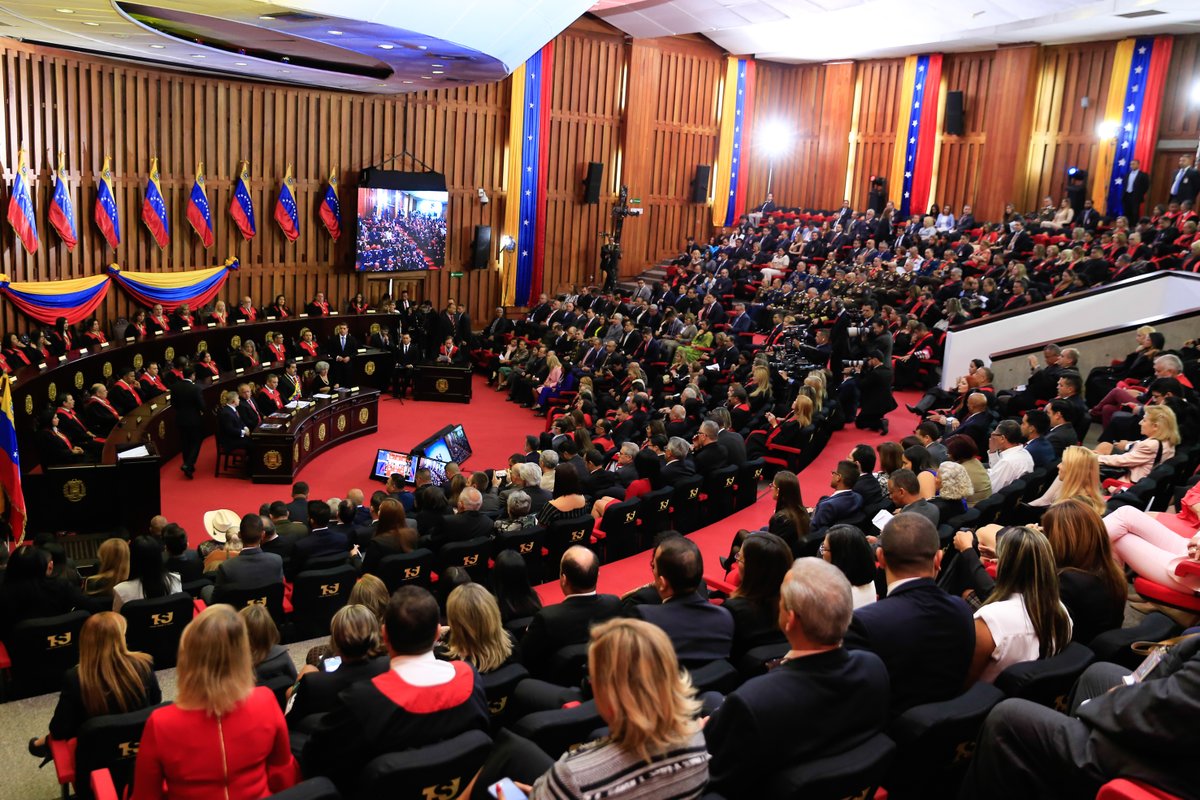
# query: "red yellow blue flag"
{"type": "Point", "coordinates": [154, 208]}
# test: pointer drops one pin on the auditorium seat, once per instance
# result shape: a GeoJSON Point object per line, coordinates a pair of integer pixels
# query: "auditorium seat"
{"type": "Point", "coordinates": [107, 744]}
{"type": "Point", "coordinates": [747, 483]}
{"type": "Point", "coordinates": [854, 773]}
{"type": "Point", "coordinates": [619, 528]}
{"type": "Point", "coordinates": [402, 569]}
{"type": "Point", "coordinates": [317, 594]}
{"type": "Point", "coordinates": [41, 651]}
{"type": "Point", "coordinates": [527, 542]}
{"type": "Point", "coordinates": [1129, 789]}
{"type": "Point", "coordinates": [155, 625]}
{"type": "Point", "coordinates": [717, 499]}
{"type": "Point", "coordinates": [558, 730]}
{"type": "Point", "coordinates": [1115, 646]}
{"type": "Point", "coordinates": [564, 533]}
{"type": "Point", "coordinates": [568, 666]}
{"type": "Point", "coordinates": [437, 770]}
{"type": "Point", "coordinates": [270, 595]}
{"type": "Point", "coordinates": [685, 505]}
{"type": "Point", "coordinates": [715, 676]}
{"type": "Point", "coordinates": [311, 789]}
{"type": "Point", "coordinates": [498, 685]}
{"type": "Point", "coordinates": [1157, 593]}
{"type": "Point", "coordinates": [472, 555]}
{"type": "Point", "coordinates": [1047, 681]}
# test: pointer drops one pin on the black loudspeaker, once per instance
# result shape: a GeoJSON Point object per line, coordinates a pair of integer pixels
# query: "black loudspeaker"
{"type": "Point", "coordinates": [953, 125]}
{"type": "Point", "coordinates": [700, 184]}
{"type": "Point", "coordinates": [591, 185]}
{"type": "Point", "coordinates": [481, 246]}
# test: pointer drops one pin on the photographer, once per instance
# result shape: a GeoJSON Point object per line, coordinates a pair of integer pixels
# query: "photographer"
{"type": "Point", "coordinates": [875, 388]}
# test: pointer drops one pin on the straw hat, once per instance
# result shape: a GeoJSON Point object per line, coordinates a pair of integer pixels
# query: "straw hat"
{"type": "Point", "coordinates": [219, 523]}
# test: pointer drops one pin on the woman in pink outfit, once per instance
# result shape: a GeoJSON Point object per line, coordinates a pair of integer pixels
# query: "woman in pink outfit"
{"type": "Point", "coordinates": [1152, 549]}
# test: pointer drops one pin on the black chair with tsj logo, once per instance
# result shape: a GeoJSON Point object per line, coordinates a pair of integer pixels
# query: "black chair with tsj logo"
{"type": "Point", "coordinates": [154, 626]}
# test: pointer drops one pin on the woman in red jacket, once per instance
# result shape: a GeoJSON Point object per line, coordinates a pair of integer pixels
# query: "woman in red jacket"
{"type": "Point", "coordinates": [237, 741]}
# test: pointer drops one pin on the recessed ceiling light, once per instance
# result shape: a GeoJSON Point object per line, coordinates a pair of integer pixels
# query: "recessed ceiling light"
{"type": "Point", "coordinates": [439, 72]}
{"type": "Point", "coordinates": [93, 24]}
{"type": "Point", "coordinates": [197, 55]}
{"type": "Point", "coordinates": [65, 10]}
{"type": "Point", "coordinates": [386, 46]}
{"type": "Point", "coordinates": [426, 77]}
{"type": "Point", "coordinates": [285, 71]}
{"type": "Point", "coordinates": [334, 33]}
{"type": "Point", "coordinates": [158, 46]}
{"type": "Point", "coordinates": [267, 17]}
{"type": "Point", "coordinates": [406, 81]}
{"type": "Point", "coordinates": [381, 84]}
{"type": "Point", "coordinates": [437, 66]}
{"type": "Point", "coordinates": [239, 63]}
{"type": "Point", "coordinates": [422, 47]}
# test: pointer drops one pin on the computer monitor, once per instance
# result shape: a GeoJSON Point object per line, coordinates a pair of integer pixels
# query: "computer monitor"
{"type": "Point", "coordinates": [392, 462]}
{"type": "Point", "coordinates": [437, 469]}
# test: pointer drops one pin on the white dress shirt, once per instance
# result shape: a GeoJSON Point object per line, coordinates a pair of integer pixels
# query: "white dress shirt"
{"type": "Point", "coordinates": [1005, 466]}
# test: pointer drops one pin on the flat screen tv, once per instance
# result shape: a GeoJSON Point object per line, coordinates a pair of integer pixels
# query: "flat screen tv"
{"type": "Point", "coordinates": [401, 221]}
{"type": "Point", "coordinates": [437, 469]}
{"type": "Point", "coordinates": [392, 462]}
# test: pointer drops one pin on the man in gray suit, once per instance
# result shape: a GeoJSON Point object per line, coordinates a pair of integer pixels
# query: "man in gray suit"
{"type": "Point", "coordinates": [252, 567]}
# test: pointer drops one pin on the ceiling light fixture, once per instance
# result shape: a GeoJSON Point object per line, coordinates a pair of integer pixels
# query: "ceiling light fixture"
{"type": "Point", "coordinates": [1108, 129]}
{"type": "Point", "coordinates": [386, 46]}
{"type": "Point", "coordinates": [334, 33]}
{"type": "Point", "coordinates": [267, 17]}
{"type": "Point", "coordinates": [92, 24]}
{"type": "Point", "coordinates": [158, 46]}
{"type": "Point", "coordinates": [197, 55]}
{"type": "Point", "coordinates": [65, 10]}
{"type": "Point", "coordinates": [439, 72]}
{"type": "Point", "coordinates": [422, 47]}
{"type": "Point", "coordinates": [239, 63]}
{"type": "Point", "coordinates": [406, 81]}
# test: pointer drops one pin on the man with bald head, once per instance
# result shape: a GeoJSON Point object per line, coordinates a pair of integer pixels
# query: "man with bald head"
{"type": "Point", "coordinates": [925, 636]}
{"type": "Point", "coordinates": [567, 623]}
{"type": "Point", "coordinates": [978, 422]}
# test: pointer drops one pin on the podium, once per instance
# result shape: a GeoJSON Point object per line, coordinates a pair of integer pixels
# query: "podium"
{"type": "Point", "coordinates": [444, 383]}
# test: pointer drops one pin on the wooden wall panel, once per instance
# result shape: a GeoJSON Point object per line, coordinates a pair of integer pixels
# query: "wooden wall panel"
{"type": "Point", "coordinates": [789, 96]}
{"type": "Point", "coordinates": [960, 157]}
{"type": "Point", "coordinates": [1180, 119]}
{"type": "Point", "coordinates": [874, 141]}
{"type": "Point", "coordinates": [837, 114]}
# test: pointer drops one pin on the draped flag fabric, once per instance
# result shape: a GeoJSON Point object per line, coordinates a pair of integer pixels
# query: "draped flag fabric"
{"type": "Point", "coordinates": [10, 465]}
{"type": "Point", "coordinates": [525, 221]}
{"type": "Point", "coordinates": [45, 301]}
{"type": "Point", "coordinates": [154, 208]}
{"type": "Point", "coordinates": [195, 287]}
{"type": "Point", "coordinates": [241, 207]}
{"type": "Point", "coordinates": [106, 207]}
{"type": "Point", "coordinates": [62, 210]}
{"type": "Point", "coordinates": [197, 209]}
{"type": "Point", "coordinates": [286, 213]}
{"type": "Point", "coordinates": [1134, 101]}
{"type": "Point", "coordinates": [918, 132]}
{"type": "Point", "coordinates": [20, 206]}
{"type": "Point", "coordinates": [331, 210]}
{"type": "Point", "coordinates": [736, 127]}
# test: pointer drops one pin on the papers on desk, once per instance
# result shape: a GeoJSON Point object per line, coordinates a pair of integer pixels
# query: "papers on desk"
{"type": "Point", "coordinates": [322, 396]}
{"type": "Point", "coordinates": [141, 451]}
{"type": "Point", "coordinates": [270, 426]}
{"type": "Point", "coordinates": [280, 415]}
{"type": "Point", "coordinates": [300, 403]}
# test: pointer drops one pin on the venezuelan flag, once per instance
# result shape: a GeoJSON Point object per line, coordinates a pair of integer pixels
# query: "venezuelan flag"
{"type": "Point", "coordinates": [528, 161]}
{"type": "Point", "coordinates": [241, 207]}
{"type": "Point", "coordinates": [331, 210]}
{"type": "Point", "coordinates": [20, 206]}
{"type": "Point", "coordinates": [197, 209]}
{"type": "Point", "coordinates": [106, 213]}
{"type": "Point", "coordinates": [918, 132]}
{"type": "Point", "coordinates": [62, 211]}
{"type": "Point", "coordinates": [736, 126]}
{"type": "Point", "coordinates": [154, 208]}
{"type": "Point", "coordinates": [1135, 95]}
{"type": "Point", "coordinates": [46, 301]}
{"type": "Point", "coordinates": [286, 213]}
{"type": "Point", "coordinates": [10, 464]}
{"type": "Point", "coordinates": [195, 287]}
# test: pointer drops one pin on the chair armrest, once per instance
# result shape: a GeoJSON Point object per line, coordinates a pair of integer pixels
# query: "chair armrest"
{"type": "Point", "coordinates": [5, 661]}
{"type": "Point", "coordinates": [783, 448]}
{"type": "Point", "coordinates": [63, 754]}
{"type": "Point", "coordinates": [102, 785]}
{"type": "Point", "coordinates": [1188, 567]}
{"type": "Point", "coordinates": [720, 585]}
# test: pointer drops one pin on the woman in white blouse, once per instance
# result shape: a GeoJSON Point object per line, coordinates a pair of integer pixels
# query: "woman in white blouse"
{"type": "Point", "coordinates": [1023, 619]}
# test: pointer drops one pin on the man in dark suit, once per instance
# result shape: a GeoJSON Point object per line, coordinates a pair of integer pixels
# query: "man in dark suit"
{"type": "Point", "coordinates": [1185, 184]}
{"type": "Point", "coordinates": [468, 523]}
{"type": "Point", "coordinates": [284, 525]}
{"type": "Point", "coordinates": [247, 409]}
{"type": "Point", "coordinates": [905, 491]}
{"type": "Point", "coordinates": [323, 542]}
{"type": "Point", "coordinates": [925, 636]}
{"type": "Point", "coordinates": [231, 430]}
{"type": "Point", "coordinates": [1035, 425]}
{"type": "Point", "coordinates": [179, 557]}
{"type": "Point", "coordinates": [866, 487]}
{"type": "Point", "coordinates": [875, 394]}
{"type": "Point", "coordinates": [623, 467]}
{"type": "Point", "coordinates": [1137, 183]}
{"type": "Point", "coordinates": [978, 422]}
{"type": "Point", "coordinates": [599, 481]}
{"type": "Point", "coordinates": [1019, 243]}
{"type": "Point", "coordinates": [418, 701]}
{"type": "Point", "coordinates": [754, 733]}
{"type": "Point", "coordinates": [253, 567]}
{"type": "Point", "coordinates": [708, 454]}
{"type": "Point", "coordinates": [567, 623]}
{"type": "Point", "coordinates": [124, 394]}
{"type": "Point", "coordinates": [700, 631]}
{"type": "Point", "coordinates": [1062, 432]}
{"type": "Point", "coordinates": [1137, 730]}
{"type": "Point", "coordinates": [711, 311]}
{"type": "Point", "coordinates": [340, 348]}
{"type": "Point", "coordinates": [407, 355]}
{"type": "Point", "coordinates": [298, 508]}
{"type": "Point", "coordinates": [188, 402]}
{"type": "Point", "coordinates": [679, 464]}
{"type": "Point", "coordinates": [843, 504]}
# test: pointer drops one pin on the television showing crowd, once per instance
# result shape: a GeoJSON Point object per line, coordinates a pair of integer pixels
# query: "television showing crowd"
{"type": "Point", "coordinates": [386, 245]}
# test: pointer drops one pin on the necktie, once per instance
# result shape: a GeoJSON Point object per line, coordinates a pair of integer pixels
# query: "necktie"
{"type": "Point", "coordinates": [1178, 180]}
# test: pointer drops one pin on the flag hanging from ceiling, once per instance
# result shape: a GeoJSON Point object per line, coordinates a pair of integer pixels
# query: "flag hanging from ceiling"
{"type": "Point", "coordinates": [331, 210]}
{"type": "Point", "coordinates": [196, 287]}
{"type": "Point", "coordinates": [197, 209]}
{"type": "Point", "coordinates": [10, 465]}
{"type": "Point", "coordinates": [62, 210]}
{"type": "Point", "coordinates": [46, 301]}
{"type": "Point", "coordinates": [154, 208]}
{"type": "Point", "coordinates": [286, 213]}
{"type": "Point", "coordinates": [1134, 101]}
{"type": "Point", "coordinates": [918, 132]}
{"type": "Point", "coordinates": [525, 220]}
{"type": "Point", "coordinates": [106, 207]}
{"type": "Point", "coordinates": [736, 128]}
{"type": "Point", "coordinates": [20, 206]}
{"type": "Point", "coordinates": [241, 207]}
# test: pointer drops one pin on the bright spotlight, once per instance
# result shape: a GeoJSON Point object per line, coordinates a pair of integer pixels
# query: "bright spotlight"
{"type": "Point", "coordinates": [1108, 129]}
{"type": "Point", "coordinates": [775, 138]}
{"type": "Point", "coordinates": [1196, 93]}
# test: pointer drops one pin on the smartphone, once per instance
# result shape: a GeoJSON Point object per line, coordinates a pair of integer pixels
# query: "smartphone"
{"type": "Point", "coordinates": [510, 790]}
{"type": "Point", "coordinates": [332, 663]}
{"type": "Point", "coordinates": [501, 474]}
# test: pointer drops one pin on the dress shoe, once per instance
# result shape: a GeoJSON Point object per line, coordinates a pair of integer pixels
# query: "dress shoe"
{"type": "Point", "coordinates": [883, 427]}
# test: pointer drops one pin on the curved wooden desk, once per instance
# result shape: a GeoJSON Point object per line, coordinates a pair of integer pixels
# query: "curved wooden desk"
{"type": "Point", "coordinates": [277, 455]}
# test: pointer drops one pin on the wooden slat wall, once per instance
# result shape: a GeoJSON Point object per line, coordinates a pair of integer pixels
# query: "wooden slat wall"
{"type": "Point", "coordinates": [1064, 133]}
{"type": "Point", "coordinates": [878, 109]}
{"type": "Point", "coordinates": [1180, 119]}
{"type": "Point", "coordinates": [791, 96]}
{"type": "Point", "coordinates": [960, 156]}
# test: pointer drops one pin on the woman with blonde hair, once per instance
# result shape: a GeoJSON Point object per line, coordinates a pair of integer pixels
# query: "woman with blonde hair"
{"type": "Point", "coordinates": [237, 741]}
{"type": "Point", "coordinates": [114, 568]}
{"type": "Point", "coordinates": [356, 653]}
{"type": "Point", "coordinates": [762, 395]}
{"type": "Point", "coordinates": [816, 380]}
{"type": "Point", "coordinates": [1078, 478]}
{"type": "Point", "coordinates": [368, 591]}
{"type": "Point", "coordinates": [549, 386]}
{"type": "Point", "coordinates": [655, 747]}
{"type": "Point", "coordinates": [1161, 432]}
{"type": "Point", "coordinates": [109, 679]}
{"type": "Point", "coordinates": [794, 430]}
{"type": "Point", "coordinates": [477, 635]}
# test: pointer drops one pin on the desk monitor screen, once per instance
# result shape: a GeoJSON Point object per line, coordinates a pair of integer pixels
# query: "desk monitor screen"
{"type": "Point", "coordinates": [391, 462]}
{"type": "Point", "coordinates": [437, 469]}
{"type": "Point", "coordinates": [457, 444]}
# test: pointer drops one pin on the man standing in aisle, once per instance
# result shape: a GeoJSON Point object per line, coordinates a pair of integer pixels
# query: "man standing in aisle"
{"type": "Point", "coordinates": [188, 403]}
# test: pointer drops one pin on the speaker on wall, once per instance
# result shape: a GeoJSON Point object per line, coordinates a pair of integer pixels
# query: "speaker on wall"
{"type": "Point", "coordinates": [591, 185]}
{"type": "Point", "coordinates": [700, 184]}
{"type": "Point", "coordinates": [954, 114]}
{"type": "Point", "coordinates": [481, 246]}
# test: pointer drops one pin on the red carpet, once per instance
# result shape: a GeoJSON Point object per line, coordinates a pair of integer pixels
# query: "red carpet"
{"type": "Point", "coordinates": [496, 429]}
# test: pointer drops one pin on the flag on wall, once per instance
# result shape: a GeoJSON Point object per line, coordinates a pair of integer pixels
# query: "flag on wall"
{"type": "Point", "coordinates": [10, 464]}
{"type": "Point", "coordinates": [154, 208]}
{"type": "Point", "coordinates": [62, 210]}
{"type": "Point", "coordinates": [241, 207]}
{"type": "Point", "coordinates": [286, 213]}
{"type": "Point", "coordinates": [1134, 101]}
{"type": "Point", "coordinates": [331, 210]}
{"type": "Point", "coordinates": [20, 206]}
{"type": "Point", "coordinates": [525, 219]}
{"type": "Point", "coordinates": [918, 132]}
{"type": "Point", "coordinates": [197, 209]}
{"type": "Point", "coordinates": [736, 126]}
{"type": "Point", "coordinates": [106, 207]}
